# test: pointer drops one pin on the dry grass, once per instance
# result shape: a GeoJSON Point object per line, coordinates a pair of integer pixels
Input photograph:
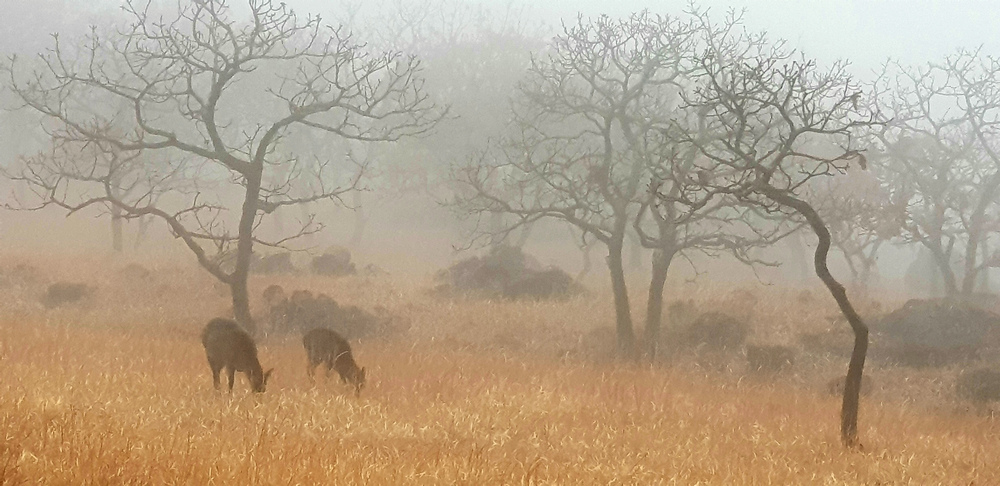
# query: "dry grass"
{"type": "Point", "coordinates": [116, 391]}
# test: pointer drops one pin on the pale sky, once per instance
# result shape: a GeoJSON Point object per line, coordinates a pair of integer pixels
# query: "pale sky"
{"type": "Point", "coordinates": [863, 31]}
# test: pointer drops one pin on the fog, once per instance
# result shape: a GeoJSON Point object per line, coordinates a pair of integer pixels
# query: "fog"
{"type": "Point", "coordinates": [405, 228]}
{"type": "Point", "coordinates": [502, 207]}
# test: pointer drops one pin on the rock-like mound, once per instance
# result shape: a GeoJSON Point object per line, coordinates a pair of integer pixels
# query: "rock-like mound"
{"type": "Point", "coordinates": [505, 272]}
{"type": "Point", "coordinates": [303, 311]}
{"type": "Point", "coordinates": [769, 358]}
{"type": "Point", "coordinates": [136, 272]}
{"type": "Point", "coordinates": [935, 332]}
{"type": "Point", "coordinates": [835, 342]}
{"type": "Point", "coordinates": [979, 386]}
{"type": "Point", "coordinates": [19, 274]}
{"type": "Point", "coordinates": [61, 293]}
{"type": "Point", "coordinates": [713, 331]}
{"type": "Point", "coordinates": [334, 262]}
{"type": "Point", "coordinates": [273, 295]}
{"type": "Point", "coordinates": [273, 264]}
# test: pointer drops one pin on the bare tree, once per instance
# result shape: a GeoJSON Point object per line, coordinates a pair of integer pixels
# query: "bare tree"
{"type": "Point", "coordinates": [939, 159]}
{"type": "Point", "coordinates": [678, 218]}
{"type": "Point", "coordinates": [203, 85]}
{"type": "Point", "coordinates": [779, 121]}
{"type": "Point", "coordinates": [594, 126]}
{"type": "Point", "coordinates": [574, 151]}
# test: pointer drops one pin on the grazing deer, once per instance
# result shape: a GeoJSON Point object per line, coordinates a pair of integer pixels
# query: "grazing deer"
{"type": "Point", "coordinates": [228, 346]}
{"type": "Point", "coordinates": [327, 347]}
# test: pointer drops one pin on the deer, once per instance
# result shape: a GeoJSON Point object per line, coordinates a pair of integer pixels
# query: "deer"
{"type": "Point", "coordinates": [228, 346]}
{"type": "Point", "coordinates": [325, 346]}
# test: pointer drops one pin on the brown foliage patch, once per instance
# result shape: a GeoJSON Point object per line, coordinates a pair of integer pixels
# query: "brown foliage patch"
{"type": "Point", "coordinates": [505, 272]}
{"type": "Point", "coordinates": [934, 332]}
{"type": "Point", "coordinates": [61, 293]}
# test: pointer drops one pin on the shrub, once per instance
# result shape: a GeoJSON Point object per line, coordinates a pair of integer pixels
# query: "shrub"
{"type": "Point", "coordinates": [935, 332]}
{"type": "Point", "coordinates": [714, 331]}
{"type": "Point", "coordinates": [61, 293]}
{"type": "Point", "coordinates": [334, 262]}
{"type": "Point", "coordinates": [273, 295]}
{"type": "Point", "coordinates": [980, 386]}
{"type": "Point", "coordinates": [505, 272]}
{"type": "Point", "coordinates": [839, 342]}
{"type": "Point", "coordinates": [766, 358]}
{"type": "Point", "coordinates": [275, 263]}
{"type": "Point", "coordinates": [304, 311]}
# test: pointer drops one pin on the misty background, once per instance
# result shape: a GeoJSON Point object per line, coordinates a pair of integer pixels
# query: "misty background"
{"type": "Point", "coordinates": [398, 222]}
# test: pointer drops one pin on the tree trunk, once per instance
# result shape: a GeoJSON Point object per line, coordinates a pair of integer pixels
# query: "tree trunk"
{"type": "Point", "coordinates": [117, 221]}
{"type": "Point", "coordinates": [244, 252]}
{"type": "Point", "coordinates": [797, 252]}
{"type": "Point", "coordinates": [141, 232]}
{"type": "Point", "coordinates": [654, 306]}
{"type": "Point", "coordinates": [587, 263]}
{"type": "Point", "coordinates": [525, 234]}
{"type": "Point", "coordinates": [360, 223]}
{"type": "Point", "coordinates": [984, 274]}
{"type": "Point", "coordinates": [943, 264]}
{"type": "Point", "coordinates": [623, 315]}
{"type": "Point", "coordinates": [855, 370]}
{"type": "Point", "coordinates": [634, 254]}
{"type": "Point", "coordinates": [969, 267]}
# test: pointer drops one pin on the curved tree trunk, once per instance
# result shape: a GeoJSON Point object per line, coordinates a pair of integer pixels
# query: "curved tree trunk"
{"type": "Point", "coordinates": [244, 252]}
{"type": "Point", "coordinates": [654, 306]}
{"type": "Point", "coordinates": [623, 315]}
{"type": "Point", "coordinates": [852, 385]}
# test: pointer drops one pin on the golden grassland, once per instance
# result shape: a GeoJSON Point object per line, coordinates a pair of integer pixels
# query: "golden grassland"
{"type": "Point", "coordinates": [115, 390]}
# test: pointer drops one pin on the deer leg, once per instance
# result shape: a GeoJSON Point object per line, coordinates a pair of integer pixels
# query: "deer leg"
{"type": "Point", "coordinates": [232, 378]}
{"type": "Point", "coordinates": [215, 377]}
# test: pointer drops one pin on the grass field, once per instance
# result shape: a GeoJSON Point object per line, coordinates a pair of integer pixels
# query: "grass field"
{"type": "Point", "coordinates": [116, 390]}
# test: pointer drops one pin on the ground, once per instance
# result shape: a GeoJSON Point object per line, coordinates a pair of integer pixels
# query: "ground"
{"type": "Point", "coordinates": [116, 390]}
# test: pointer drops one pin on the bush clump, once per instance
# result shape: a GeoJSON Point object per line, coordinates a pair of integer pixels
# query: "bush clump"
{"type": "Point", "coordinates": [979, 386]}
{"type": "Point", "coordinates": [505, 272]}
{"type": "Point", "coordinates": [273, 294]}
{"type": "Point", "coordinates": [334, 262]}
{"type": "Point", "coordinates": [135, 271]}
{"type": "Point", "coordinates": [61, 293]}
{"type": "Point", "coordinates": [714, 331]}
{"type": "Point", "coordinates": [273, 264]}
{"type": "Point", "coordinates": [303, 311]}
{"type": "Point", "coordinates": [836, 342]}
{"type": "Point", "coordinates": [769, 358]}
{"type": "Point", "coordinates": [935, 332]}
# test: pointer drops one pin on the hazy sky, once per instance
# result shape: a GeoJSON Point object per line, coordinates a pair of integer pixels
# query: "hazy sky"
{"type": "Point", "coordinates": [864, 31]}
